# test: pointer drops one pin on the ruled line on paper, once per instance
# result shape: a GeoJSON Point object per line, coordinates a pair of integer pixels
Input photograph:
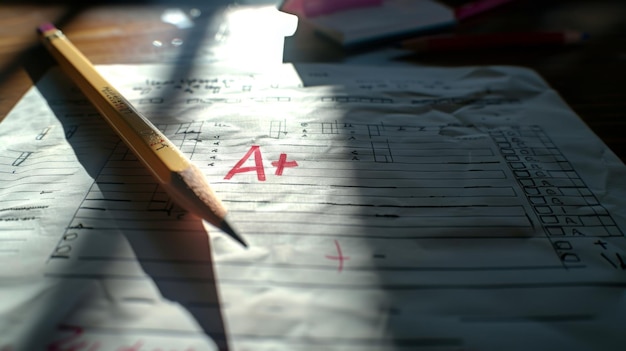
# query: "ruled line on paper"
{"type": "Point", "coordinates": [342, 286]}
{"type": "Point", "coordinates": [406, 268]}
{"type": "Point", "coordinates": [256, 338]}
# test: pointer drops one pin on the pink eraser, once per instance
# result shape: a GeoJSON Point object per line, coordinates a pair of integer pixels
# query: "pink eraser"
{"type": "Point", "coordinates": [46, 27]}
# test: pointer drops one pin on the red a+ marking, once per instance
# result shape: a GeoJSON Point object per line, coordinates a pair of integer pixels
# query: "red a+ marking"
{"type": "Point", "coordinates": [282, 163]}
{"type": "Point", "coordinates": [340, 257]}
{"type": "Point", "coordinates": [258, 164]}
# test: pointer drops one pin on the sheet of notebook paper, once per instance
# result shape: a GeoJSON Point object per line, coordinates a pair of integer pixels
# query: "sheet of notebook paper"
{"type": "Point", "coordinates": [385, 208]}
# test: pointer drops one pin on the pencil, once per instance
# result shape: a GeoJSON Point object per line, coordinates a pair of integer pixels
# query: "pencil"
{"type": "Point", "coordinates": [180, 178]}
{"type": "Point", "coordinates": [443, 43]}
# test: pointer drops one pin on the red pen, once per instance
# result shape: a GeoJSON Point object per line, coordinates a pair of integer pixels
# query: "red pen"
{"type": "Point", "coordinates": [443, 43]}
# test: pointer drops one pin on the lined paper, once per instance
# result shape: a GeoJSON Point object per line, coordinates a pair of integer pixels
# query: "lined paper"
{"type": "Point", "coordinates": [385, 208]}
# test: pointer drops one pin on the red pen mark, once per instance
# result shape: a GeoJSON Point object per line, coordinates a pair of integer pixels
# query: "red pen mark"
{"type": "Point", "coordinates": [282, 163]}
{"type": "Point", "coordinates": [64, 343]}
{"type": "Point", "coordinates": [340, 257]}
{"type": "Point", "coordinates": [77, 340]}
{"type": "Point", "coordinates": [258, 164]}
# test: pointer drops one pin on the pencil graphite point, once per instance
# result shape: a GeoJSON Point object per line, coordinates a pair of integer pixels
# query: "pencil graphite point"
{"type": "Point", "coordinates": [192, 191]}
{"type": "Point", "coordinates": [224, 226]}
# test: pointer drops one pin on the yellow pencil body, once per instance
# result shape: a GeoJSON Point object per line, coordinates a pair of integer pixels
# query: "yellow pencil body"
{"type": "Point", "coordinates": [180, 178]}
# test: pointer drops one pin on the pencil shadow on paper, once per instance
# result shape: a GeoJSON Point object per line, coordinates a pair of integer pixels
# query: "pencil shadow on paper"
{"type": "Point", "coordinates": [142, 250]}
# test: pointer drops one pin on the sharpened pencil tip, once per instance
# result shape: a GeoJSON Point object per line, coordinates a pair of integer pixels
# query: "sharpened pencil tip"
{"type": "Point", "coordinates": [230, 231]}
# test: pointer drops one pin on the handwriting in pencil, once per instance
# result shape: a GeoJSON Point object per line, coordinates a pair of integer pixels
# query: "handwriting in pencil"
{"type": "Point", "coordinates": [21, 158]}
{"type": "Point", "coordinates": [43, 133]}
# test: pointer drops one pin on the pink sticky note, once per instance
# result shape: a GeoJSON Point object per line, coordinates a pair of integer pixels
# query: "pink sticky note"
{"type": "Point", "coordinates": [477, 7]}
{"type": "Point", "coordinates": [312, 8]}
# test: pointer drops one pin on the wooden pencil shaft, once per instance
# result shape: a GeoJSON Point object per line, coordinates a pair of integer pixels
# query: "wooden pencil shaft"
{"type": "Point", "coordinates": [154, 150]}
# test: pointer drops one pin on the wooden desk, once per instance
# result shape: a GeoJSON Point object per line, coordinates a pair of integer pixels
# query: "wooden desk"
{"type": "Point", "coordinates": [590, 77]}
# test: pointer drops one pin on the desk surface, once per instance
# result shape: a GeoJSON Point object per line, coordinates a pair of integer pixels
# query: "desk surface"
{"type": "Point", "coordinates": [589, 77]}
